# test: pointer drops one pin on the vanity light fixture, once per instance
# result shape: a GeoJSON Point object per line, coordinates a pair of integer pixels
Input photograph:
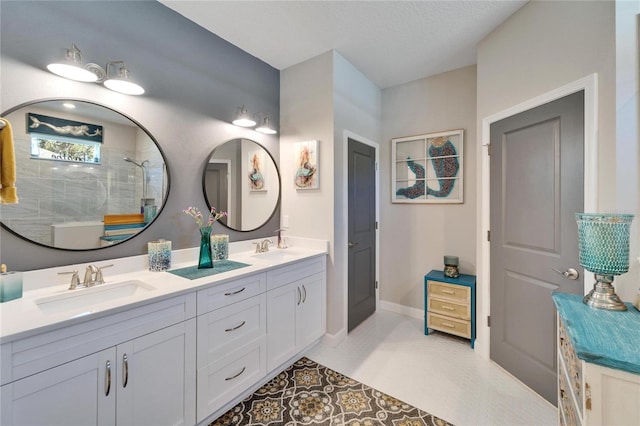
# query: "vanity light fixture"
{"type": "Point", "coordinates": [121, 82]}
{"type": "Point", "coordinates": [265, 127]}
{"type": "Point", "coordinates": [73, 68]}
{"type": "Point", "coordinates": [243, 119]}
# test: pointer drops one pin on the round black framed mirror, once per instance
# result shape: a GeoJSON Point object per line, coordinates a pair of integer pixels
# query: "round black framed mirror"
{"type": "Point", "coordinates": [242, 178]}
{"type": "Point", "coordinates": [87, 176]}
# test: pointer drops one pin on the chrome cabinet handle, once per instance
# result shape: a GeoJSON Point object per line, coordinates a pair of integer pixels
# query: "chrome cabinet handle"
{"type": "Point", "coordinates": [570, 273]}
{"type": "Point", "coordinates": [236, 327]}
{"type": "Point", "coordinates": [299, 295]}
{"type": "Point", "coordinates": [236, 375]}
{"type": "Point", "coordinates": [351, 245]}
{"type": "Point", "coordinates": [125, 371]}
{"type": "Point", "coordinates": [107, 379]}
{"type": "Point", "coordinates": [235, 292]}
{"type": "Point", "coordinates": [304, 299]}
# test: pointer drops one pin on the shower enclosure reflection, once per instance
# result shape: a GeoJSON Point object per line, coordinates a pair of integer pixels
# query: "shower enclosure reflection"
{"type": "Point", "coordinates": [64, 201]}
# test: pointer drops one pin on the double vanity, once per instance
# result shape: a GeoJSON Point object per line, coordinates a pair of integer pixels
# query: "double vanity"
{"type": "Point", "coordinates": [154, 348]}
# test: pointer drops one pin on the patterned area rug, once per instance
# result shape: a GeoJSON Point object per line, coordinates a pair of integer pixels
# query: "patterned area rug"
{"type": "Point", "coordinates": [308, 393]}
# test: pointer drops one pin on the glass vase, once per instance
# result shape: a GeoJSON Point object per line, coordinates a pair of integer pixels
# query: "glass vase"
{"type": "Point", "coordinates": [205, 260]}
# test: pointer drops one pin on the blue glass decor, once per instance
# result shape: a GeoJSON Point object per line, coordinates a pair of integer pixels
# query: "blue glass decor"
{"type": "Point", "coordinates": [10, 286]}
{"type": "Point", "coordinates": [220, 246]}
{"type": "Point", "coordinates": [159, 255]}
{"type": "Point", "coordinates": [603, 242]}
{"type": "Point", "coordinates": [205, 260]}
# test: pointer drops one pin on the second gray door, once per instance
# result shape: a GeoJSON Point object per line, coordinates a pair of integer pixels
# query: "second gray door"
{"type": "Point", "coordinates": [362, 232]}
{"type": "Point", "coordinates": [536, 188]}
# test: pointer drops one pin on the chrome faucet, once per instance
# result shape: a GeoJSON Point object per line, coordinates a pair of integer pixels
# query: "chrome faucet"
{"type": "Point", "coordinates": [264, 246]}
{"type": "Point", "coordinates": [88, 276]}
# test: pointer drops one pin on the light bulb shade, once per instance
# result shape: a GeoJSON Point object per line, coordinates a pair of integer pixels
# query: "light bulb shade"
{"type": "Point", "coordinates": [72, 68]}
{"type": "Point", "coordinates": [243, 119]}
{"type": "Point", "coordinates": [123, 86]}
{"type": "Point", "coordinates": [603, 242]}
{"type": "Point", "coordinates": [266, 128]}
{"type": "Point", "coordinates": [122, 83]}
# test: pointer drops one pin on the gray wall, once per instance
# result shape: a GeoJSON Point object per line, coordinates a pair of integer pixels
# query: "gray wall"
{"type": "Point", "coordinates": [194, 82]}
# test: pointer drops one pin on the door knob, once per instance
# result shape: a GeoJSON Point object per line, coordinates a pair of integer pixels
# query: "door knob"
{"type": "Point", "coordinates": [570, 273]}
{"type": "Point", "coordinates": [351, 245]}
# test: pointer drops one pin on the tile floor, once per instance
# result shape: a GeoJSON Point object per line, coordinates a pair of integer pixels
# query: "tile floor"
{"type": "Point", "coordinates": [437, 373]}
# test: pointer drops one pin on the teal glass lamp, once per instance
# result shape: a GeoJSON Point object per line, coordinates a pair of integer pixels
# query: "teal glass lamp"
{"type": "Point", "coordinates": [603, 242]}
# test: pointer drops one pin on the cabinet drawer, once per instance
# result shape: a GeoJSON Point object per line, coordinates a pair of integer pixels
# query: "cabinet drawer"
{"type": "Point", "coordinates": [567, 413]}
{"type": "Point", "coordinates": [455, 310]}
{"type": "Point", "coordinates": [456, 293]}
{"type": "Point", "coordinates": [222, 381]}
{"type": "Point", "coordinates": [234, 291]}
{"type": "Point", "coordinates": [224, 330]}
{"type": "Point", "coordinates": [296, 271]}
{"type": "Point", "coordinates": [449, 325]}
{"type": "Point", "coordinates": [571, 362]}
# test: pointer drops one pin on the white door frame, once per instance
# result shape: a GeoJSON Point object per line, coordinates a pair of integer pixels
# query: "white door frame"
{"type": "Point", "coordinates": [346, 135]}
{"type": "Point", "coordinates": [590, 86]}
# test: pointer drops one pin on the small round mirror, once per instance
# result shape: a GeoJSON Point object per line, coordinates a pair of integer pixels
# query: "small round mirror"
{"type": "Point", "coordinates": [242, 179]}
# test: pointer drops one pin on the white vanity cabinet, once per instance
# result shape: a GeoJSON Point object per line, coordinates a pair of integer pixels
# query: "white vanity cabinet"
{"type": "Point", "coordinates": [231, 348]}
{"type": "Point", "coordinates": [296, 313]}
{"type": "Point", "coordinates": [144, 380]}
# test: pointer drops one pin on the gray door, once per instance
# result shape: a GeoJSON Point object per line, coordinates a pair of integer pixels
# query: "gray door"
{"type": "Point", "coordinates": [536, 187]}
{"type": "Point", "coordinates": [362, 232]}
{"type": "Point", "coordinates": [216, 185]}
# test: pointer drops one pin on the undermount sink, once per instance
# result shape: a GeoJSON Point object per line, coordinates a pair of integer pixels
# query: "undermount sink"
{"type": "Point", "coordinates": [277, 255]}
{"type": "Point", "coordinates": [85, 297]}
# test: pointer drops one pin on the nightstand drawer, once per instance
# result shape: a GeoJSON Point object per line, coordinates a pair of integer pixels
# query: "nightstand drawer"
{"type": "Point", "coordinates": [455, 310]}
{"type": "Point", "coordinates": [456, 293]}
{"type": "Point", "coordinates": [449, 325]}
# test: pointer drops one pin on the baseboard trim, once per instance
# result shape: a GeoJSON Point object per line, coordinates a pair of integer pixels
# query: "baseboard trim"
{"type": "Point", "coordinates": [402, 309]}
{"type": "Point", "coordinates": [334, 340]}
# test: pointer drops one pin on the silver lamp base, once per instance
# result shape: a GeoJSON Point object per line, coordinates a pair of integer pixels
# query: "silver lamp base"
{"type": "Point", "coordinates": [603, 295]}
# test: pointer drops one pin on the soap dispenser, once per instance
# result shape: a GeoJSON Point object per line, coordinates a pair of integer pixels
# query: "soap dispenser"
{"type": "Point", "coordinates": [281, 243]}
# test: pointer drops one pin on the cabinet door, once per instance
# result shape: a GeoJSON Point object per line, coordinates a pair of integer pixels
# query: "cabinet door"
{"type": "Point", "coordinates": [156, 378]}
{"type": "Point", "coordinates": [81, 392]}
{"type": "Point", "coordinates": [310, 318]}
{"type": "Point", "coordinates": [282, 304]}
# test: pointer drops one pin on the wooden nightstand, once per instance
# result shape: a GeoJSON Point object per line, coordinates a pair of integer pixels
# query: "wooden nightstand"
{"type": "Point", "coordinates": [450, 304]}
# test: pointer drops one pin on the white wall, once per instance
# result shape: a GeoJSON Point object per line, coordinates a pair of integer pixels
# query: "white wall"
{"type": "Point", "coordinates": [628, 134]}
{"type": "Point", "coordinates": [414, 238]}
{"type": "Point", "coordinates": [306, 113]}
{"type": "Point", "coordinates": [320, 99]}
{"type": "Point", "coordinates": [543, 46]}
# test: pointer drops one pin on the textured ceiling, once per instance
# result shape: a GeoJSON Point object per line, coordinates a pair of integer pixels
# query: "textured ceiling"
{"type": "Point", "coordinates": [391, 42]}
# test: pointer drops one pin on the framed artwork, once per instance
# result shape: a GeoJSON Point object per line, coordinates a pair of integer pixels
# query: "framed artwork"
{"type": "Point", "coordinates": [257, 170]}
{"type": "Point", "coordinates": [306, 165]}
{"type": "Point", "coordinates": [427, 168]}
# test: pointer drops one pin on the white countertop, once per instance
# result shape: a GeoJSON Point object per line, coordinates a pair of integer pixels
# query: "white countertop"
{"type": "Point", "coordinates": [24, 317]}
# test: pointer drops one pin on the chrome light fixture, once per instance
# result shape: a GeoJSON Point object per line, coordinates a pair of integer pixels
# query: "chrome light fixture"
{"type": "Point", "coordinates": [73, 68]}
{"type": "Point", "coordinates": [243, 119]}
{"type": "Point", "coordinates": [265, 127]}
{"type": "Point", "coordinates": [122, 81]}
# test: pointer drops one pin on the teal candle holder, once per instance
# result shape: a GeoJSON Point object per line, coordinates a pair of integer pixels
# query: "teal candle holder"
{"type": "Point", "coordinates": [603, 242]}
{"type": "Point", "coordinates": [10, 286]}
{"type": "Point", "coordinates": [220, 246]}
